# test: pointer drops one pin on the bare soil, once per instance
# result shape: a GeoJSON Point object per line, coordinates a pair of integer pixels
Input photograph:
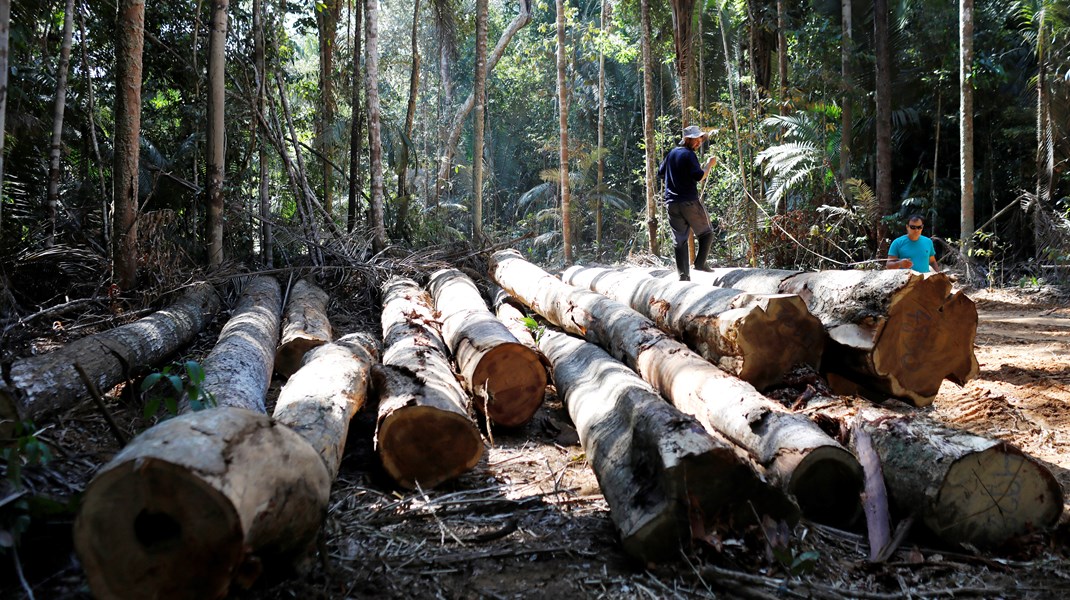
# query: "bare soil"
{"type": "Point", "coordinates": [529, 521]}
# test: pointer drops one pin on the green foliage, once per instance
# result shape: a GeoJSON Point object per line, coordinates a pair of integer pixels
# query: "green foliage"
{"type": "Point", "coordinates": [26, 449]}
{"type": "Point", "coordinates": [171, 388]}
{"type": "Point", "coordinates": [535, 328]}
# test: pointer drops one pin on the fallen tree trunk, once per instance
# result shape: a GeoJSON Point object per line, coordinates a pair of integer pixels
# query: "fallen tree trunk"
{"type": "Point", "coordinates": [504, 376]}
{"type": "Point", "coordinates": [798, 456]}
{"type": "Point", "coordinates": [664, 477]}
{"type": "Point", "coordinates": [305, 326]}
{"type": "Point", "coordinates": [42, 385]}
{"type": "Point", "coordinates": [237, 372]}
{"type": "Point", "coordinates": [320, 399]}
{"type": "Point", "coordinates": [756, 338]}
{"type": "Point", "coordinates": [893, 333]}
{"type": "Point", "coordinates": [198, 503]}
{"type": "Point", "coordinates": [423, 434]}
{"type": "Point", "coordinates": [964, 488]}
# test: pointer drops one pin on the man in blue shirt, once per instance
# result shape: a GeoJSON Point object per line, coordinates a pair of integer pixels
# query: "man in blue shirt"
{"type": "Point", "coordinates": [913, 250]}
{"type": "Point", "coordinates": [681, 173]}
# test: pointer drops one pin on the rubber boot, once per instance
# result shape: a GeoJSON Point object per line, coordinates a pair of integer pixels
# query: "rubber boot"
{"type": "Point", "coordinates": [704, 242]}
{"type": "Point", "coordinates": [680, 253]}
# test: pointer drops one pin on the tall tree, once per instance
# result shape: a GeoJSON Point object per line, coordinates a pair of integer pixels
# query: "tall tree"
{"type": "Point", "coordinates": [683, 13]}
{"type": "Point", "coordinates": [129, 45]}
{"type": "Point", "coordinates": [782, 53]}
{"type": "Point", "coordinates": [327, 12]}
{"type": "Point", "coordinates": [216, 147]}
{"type": "Point", "coordinates": [883, 118]}
{"type": "Point", "coordinates": [1045, 153]}
{"type": "Point", "coordinates": [5, 28]}
{"type": "Point", "coordinates": [356, 135]}
{"type": "Point", "coordinates": [604, 28]}
{"type": "Point", "coordinates": [404, 193]}
{"type": "Point", "coordinates": [58, 109]}
{"type": "Point", "coordinates": [562, 101]}
{"type": "Point", "coordinates": [267, 242]}
{"type": "Point", "coordinates": [846, 112]}
{"type": "Point", "coordinates": [966, 121]}
{"type": "Point", "coordinates": [649, 142]}
{"type": "Point", "coordinates": [445, 25]}
{"type": "Point", "coordinates": [480, 92]}
{"type": "Point", "coordinates": [375, 145]}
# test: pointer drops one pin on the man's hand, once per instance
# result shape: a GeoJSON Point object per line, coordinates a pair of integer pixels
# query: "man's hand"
{"type": "Point", "coordinates": [711, 163]}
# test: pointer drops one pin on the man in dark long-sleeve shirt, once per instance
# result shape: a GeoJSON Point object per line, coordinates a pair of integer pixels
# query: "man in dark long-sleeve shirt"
{"type": "Point", "coordinates": [681, 173]}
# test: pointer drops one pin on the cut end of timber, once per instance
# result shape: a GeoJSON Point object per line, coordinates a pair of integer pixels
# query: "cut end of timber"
{"type": "Point", "coordinates": [993, 496]}
{"type": "Point", "coordinates": [289, 357]}
{"type": "Point", "coordinates": [776, 338]}
{"type": "Point", "coordinates": [148, 524]}
{"type": "Point", "coordinates": [509, 382]}
{"type": "Point", "coordinates": [826, 483]}
{"type": "Point", "coordinates": [427, 445]}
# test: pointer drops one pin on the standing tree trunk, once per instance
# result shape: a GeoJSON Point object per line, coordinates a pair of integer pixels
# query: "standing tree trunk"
{"type": "Point", "coordinates": [603, 26]}
{"type": "Point", "coordinates": [846, 51]}
{"type": "Point", "coordinates": [966, 123]}
{"type": "Point", "coordinates": [267, 242]}
{"type": "Point", "coordinates": [216, 146]}
{"type": "Point", "coordinates": [782, 53]}
{"type": "Point", "coordinates": [5, 28]}
{"type": "Point", "coordinates": [129, 44]}
{"type": "Point", "coordinates": [479, 90]}
{"type": "Point", "coordinates": [683, 12]}
{"type": "Point", "coordinates": [92, 110]}
{"type": "Point", "coordinates": [883, 117]}
{"type": "Point", "coordinates": [327, 25]}
{"type": "Point", "coordinates": [375, 145]}
{"type": "Point", "coordinates": [1045, 131]}
{"type": "Point", "coordinates": [401, 228]}
{"type": "Point", "coordinates": [649, 141]}
{"type": "Point", "coordinates": [57, 121]}
{"type": "Point", "coordinates": [356, 136]}
{"type": "Point", "coordinates": [562, 103]}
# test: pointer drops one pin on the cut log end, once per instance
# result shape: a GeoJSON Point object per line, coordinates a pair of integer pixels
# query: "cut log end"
{"type": "Point", "coordinates": [161, 522]}
{"type": "Point", "coordinates": [513, 380]}
{"type": "Point", "coordinates": [427, 446]}
{"type": "Point", "coordinates": [783, 334]}
{"type": "Point", "coordinates": [826, 484]}
{"type": "Point", "coordinates": [993, 496]}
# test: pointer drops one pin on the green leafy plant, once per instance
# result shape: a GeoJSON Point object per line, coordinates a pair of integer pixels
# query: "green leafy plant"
{"type": "Point", "coordinates": [27, 449]}
{"type": "Point", "coordinates": [535, 328]}
{"type": "Point", "coordinates": [188, 385]}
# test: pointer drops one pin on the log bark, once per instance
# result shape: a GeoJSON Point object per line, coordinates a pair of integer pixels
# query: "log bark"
{"type": "Point", "coordinates": [657, 467]}
{"type": "Point", "coordinates": [41, 385]}
{"type": "Point", "coordinates": [892, 333]}
{"type": "Point", "coordinates": [197, 503]}
{"type": "Point", "coordinates": [423, 434]}
{"type": "Point", "coordinates": [798, 456]}
{"type": "Point", "coordinates": [510, 312]}
{"type": "Point", "coordinates": [320, 399]}
{"type": "Point", "coordinates": [757, 338]}
{"type": "Point", "coordinates": [504, 376]}
{"type": "Point", "coordinates": [237, 372]}
{"type": "Point", "coordinates": [305, 326]}
{"type": "Point", "coordinates": [963, 487]}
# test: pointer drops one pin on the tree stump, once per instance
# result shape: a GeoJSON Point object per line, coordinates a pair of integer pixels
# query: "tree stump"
{"type": "Point", "coordinates": [305, 326]}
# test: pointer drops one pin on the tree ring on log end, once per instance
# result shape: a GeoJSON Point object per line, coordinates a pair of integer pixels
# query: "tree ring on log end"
{"type": "Point", "coordinates": [826, 483]}
{"type": "Point", "coordinates": [427, 445]}
{"type": "Point", "coordinates": [509, 383]}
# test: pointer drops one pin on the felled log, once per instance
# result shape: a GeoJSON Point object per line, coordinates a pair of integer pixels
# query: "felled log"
{"type": "Point", "coordinates": [509, 311]}
{"type": "Point", "coordinates": [197, 503]}
{"type": "Point", "coordinates": [892, 333]}
{"type": "Point", "coordinates": [757, 338]}
{"type": "Point", "coordinates": [237, 372]}
{"type": "Point", "coordinates": [423, 433]}
{"type": "Point", "coordinates": [319, 400]}
{"type": "Point", "coordinates": [798, 456]}
{"type": "Point", "coordinates": [963, 487]}
{"type": "Point", "coordinates": [505, 376]}
{"type": "Point", "coordinates": [41, 385]}
{"type": "Point", "coordinates": [658, 469]}
{"type": "Point", "coordinates": [304, 326]}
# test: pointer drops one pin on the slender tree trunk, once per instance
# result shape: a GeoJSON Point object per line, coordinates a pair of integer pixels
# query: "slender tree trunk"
{"type": "Point", "coordinates": [266, 233]}
{"type": "Point", "coordinates": [562, 100]}
{"type": "Point", "coordinates": [129, 44]}
{"type": "Point", "coordinates": [479, 90]}
{"type": "Point", "coordinates": [87, 69]}
{"type": "Point", "coordinates": [603, 25]}
{"type": "Point", "coordinates": [883, 115]}
{"type": "Point", "coordinates": [57, 121]}
{"type": "Point", "coordinates": [966, 121]}
{"type": "Point", "coordinates": [443, 19]}
{"type": "Point", "coordinates": [401, 227]}
{"type": "Point", "coordinates": [216, 147]}
{"type": "Point", "coordinates": [649, 141]}
{"type": "Point", "coordinates": [936, 145]}
{"type": "Point", "coordinates": [375, 147]}
{"type": "Point", "coordinates": [782, 53]}
{"type": "Point", "coordinates": [1045, 135]}
{"type": "Point", "coordinates": [683, 12]}
{"type": "Point", "coordinates": [356, 134]}
{"type": "Point", "coordinates": [327, 24]}
{"type": "Point", "coordinates": [846, 50]}
{"type": "Point", "coordinates": [5, 27]}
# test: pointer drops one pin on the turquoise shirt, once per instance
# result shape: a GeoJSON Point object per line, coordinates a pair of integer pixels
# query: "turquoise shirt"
{"type": "Point", "coordinates": [918, 252]}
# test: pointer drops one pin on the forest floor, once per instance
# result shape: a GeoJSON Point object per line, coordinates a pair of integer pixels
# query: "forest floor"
{"type": "Point", "coordinates": [529, 521]}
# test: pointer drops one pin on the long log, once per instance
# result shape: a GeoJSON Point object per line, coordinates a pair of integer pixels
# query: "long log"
{"type": "Point", "coordinates": [304, 327]}
{"type": "Point", "coordinates": [42, 385]}
{"type": "Point", "coordinates": [658, 469]}
{"type": "Point", "coordinates": [505, 376]}
{"type": "Point", "coordinates": [198, 503]}
{"type": "Point", "coordinates": [319, 400]}
{"type": "Point", "coordinates": [509, 311]}
{"type": "Point", "coordinates": [798, 456]}
{"type": "Point", "coordinates": [423, 434]}
{"type": "Point", "coordinates": [757, 338]}
{"type": "Point", "coordinates": [964, 488]}
{"type": "Point", "coordinates": [892, 333]}
{"type": "Point", "coordinates": [237, 372]}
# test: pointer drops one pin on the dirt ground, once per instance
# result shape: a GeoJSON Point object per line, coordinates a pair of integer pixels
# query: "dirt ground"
{"type": "Point", "coordinates": [529, 521]}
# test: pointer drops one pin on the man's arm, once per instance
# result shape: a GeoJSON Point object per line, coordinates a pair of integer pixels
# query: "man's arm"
{"type": "Point", "coordinates": [710, 164]}
{"type": "Point", "coordinates": [895, 263]}
{"type": "Point", "coordinates": [932, 265]}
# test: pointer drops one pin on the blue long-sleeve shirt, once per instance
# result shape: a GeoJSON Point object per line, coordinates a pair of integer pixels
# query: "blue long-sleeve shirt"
{"type": "Point", "coordinates": [680, 173]}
